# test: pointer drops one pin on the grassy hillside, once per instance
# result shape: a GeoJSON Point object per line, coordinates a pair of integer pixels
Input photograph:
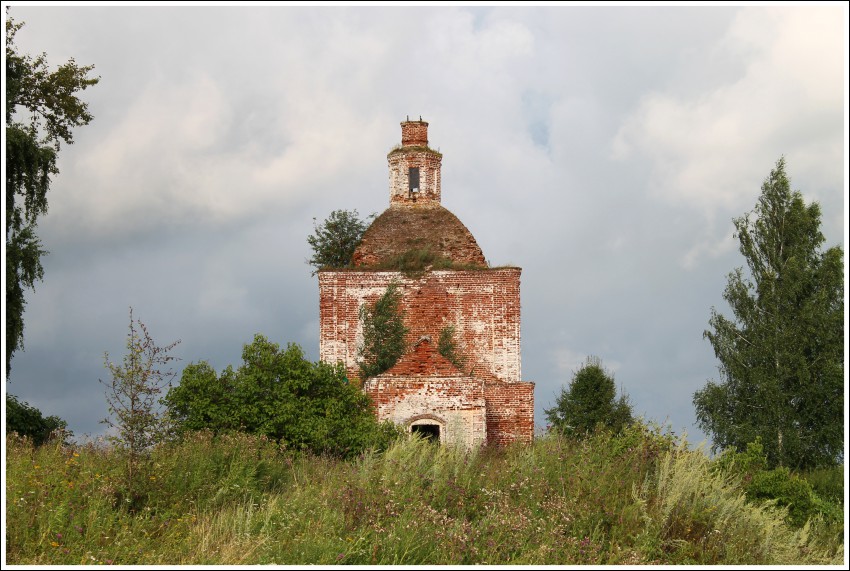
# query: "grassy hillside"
{"type": "Point", "coordinates": [638, 498]}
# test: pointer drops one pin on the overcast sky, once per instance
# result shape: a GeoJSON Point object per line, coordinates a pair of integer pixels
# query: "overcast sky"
{"type": "Point", "coordinates": [605, 150]}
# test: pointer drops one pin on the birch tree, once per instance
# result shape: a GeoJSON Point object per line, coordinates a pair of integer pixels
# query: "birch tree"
{"type": "Point", "coordinates": [781, 353]}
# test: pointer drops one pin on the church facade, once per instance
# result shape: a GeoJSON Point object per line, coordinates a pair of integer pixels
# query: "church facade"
{"type": "Point", "coordinates": [481, 400]}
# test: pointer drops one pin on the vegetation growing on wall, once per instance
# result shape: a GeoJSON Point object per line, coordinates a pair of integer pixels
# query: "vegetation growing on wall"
{"type": "Point", "coordinates": [333, 241]}
{"type": "Point", "coordinates": [383, 333]}
{"type": "Point", "coordinates": [413, 263]}
{"type": "Point", "coordinates": [448, 347]}
{"type": "Point", "coordinates": [413, 149]}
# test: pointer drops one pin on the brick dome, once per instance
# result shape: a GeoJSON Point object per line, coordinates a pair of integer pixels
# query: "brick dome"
{"type": "Point", "coordinates": [412, 229]}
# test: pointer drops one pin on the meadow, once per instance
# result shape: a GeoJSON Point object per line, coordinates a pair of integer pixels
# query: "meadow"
{"type": "Point", "coordinates": [642, 497]}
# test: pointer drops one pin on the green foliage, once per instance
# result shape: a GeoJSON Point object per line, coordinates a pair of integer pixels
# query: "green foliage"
{"type": "Point", "coordinates": [746, 464]}
{"type": "Point", "coordinates": [280, 395]}
{"type": "Point", "coordinates": [50, 103]}
{"type": "Point", "coordinates": [781, 357]}
{"type": "Point", "coordinates": [334, 240]}
{"type": "Point", "coordinates": [383, 333]}
{"type": "Point", "coordinates": [207, 471]}
{"type": "Point", "coordinates": [827, 483]}
{"type": "Point", "coordinates": [698, 515]}
{"type": "Point", "coordinates": [638, 498]}
{"type": "Point", "coordinates": [780, 487]}
{"type": "Point", "coordinates": [588, 401]}
{"type": "Point", "coordinates": [203, 400]}
{"type": "Point", "coordinates": [788, 490]}
{"type": "Point", "coordinates": [133, 397]}
{"type": "Point", "coordinates": [28, 421]}
{"type": "Point", "coordinates": [413, 263]}
{"type": "Point", "coordinates": [449, 348]}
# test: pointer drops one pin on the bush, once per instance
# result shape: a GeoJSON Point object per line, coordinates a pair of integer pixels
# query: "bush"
{"type": "Point", "coordinates": [782, 487]}
{"type": "Point", "coordinates": [787, 490]}
{"type": "Point", "coordinates": [744, 464]}
{"type": "Point", "coordinates": [28, 421]}
{"type": "Point", "coordinates": [279, 394]}
{"type": "Point", "coordinates": [827, 483]}
{"type": "Point", "coordinates": [449, 348]}
{"type": "Point", "coordinates": [697, 514]}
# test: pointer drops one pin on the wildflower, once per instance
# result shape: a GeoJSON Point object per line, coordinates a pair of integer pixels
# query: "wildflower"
{"type": "Point", "coordinates": [54, 544]}
{"type": "Point", "coordinates": [58, 536]}
{"type": "Point", "coordinates": [340, 556]}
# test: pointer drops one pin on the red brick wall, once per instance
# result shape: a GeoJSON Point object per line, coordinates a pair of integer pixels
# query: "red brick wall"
{"type": "Point", "coordinates": [484, 307]}
{"type": "Point", "coordinates": [510, 412]}
{"type": "Point", "coordinates": [414, 133]}
{"type": "Point", "coordinates": [428, 162]}
{"type": "Point", "coordinates": [455, 404]}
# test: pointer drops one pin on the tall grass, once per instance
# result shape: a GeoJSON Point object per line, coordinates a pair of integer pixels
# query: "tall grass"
{"type": "Point", "coordinates": [630, 499]}
{"type": "Point", "coordinates": [698, 515]}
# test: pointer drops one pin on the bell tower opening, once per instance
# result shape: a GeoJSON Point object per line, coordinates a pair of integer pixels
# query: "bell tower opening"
{"type": "Point", "coordinates": [414, 167]}
{"type": "Point", "coordinates": [413, 178]}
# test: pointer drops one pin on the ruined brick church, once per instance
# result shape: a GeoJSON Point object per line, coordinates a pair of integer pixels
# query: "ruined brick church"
{"type": "Point", "coordinates": [487, 401]}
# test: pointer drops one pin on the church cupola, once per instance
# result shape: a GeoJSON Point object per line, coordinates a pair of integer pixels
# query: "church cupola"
{"type": "Point", "coordinates": [414, 167]}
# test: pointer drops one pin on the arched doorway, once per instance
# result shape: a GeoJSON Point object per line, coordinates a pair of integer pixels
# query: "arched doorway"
{"type": "Point", "coordinates": [428, 431]}
{"type": "Point", "coordinates": [429, 427]}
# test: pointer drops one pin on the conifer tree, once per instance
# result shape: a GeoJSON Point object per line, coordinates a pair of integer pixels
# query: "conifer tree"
{"type": "Point", "coordinates": [590, 401]}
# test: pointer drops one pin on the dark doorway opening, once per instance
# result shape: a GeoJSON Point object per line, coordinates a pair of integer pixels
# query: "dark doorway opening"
{"type": "Point", "coordinates": [427, 431]}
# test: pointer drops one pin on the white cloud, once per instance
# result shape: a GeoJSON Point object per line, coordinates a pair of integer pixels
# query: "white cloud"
{"type": "Point", "coordinates": [706, 150]}
{"type": "Point", "coordinates": [173, 158]}
{"type": "Point", "coordinates": [485, 50]}
{"type": "Point", "coordinates": [246, 122]}
{"type": "Point", "coordinates": [708, 246]}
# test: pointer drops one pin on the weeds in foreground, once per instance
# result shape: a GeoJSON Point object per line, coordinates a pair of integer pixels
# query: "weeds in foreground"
{"type": "Point", "coordinates": [636, 498]}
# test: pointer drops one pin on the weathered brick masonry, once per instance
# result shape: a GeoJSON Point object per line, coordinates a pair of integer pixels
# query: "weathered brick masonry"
{"type": "Point", "coordinates": [414, 153]}
{"type": "Point", "coordinates": [487, 401]}
{"type": "Point", "coordinates": [483, 305]}
{"type": "Point", "coordinates": [425, 388]}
